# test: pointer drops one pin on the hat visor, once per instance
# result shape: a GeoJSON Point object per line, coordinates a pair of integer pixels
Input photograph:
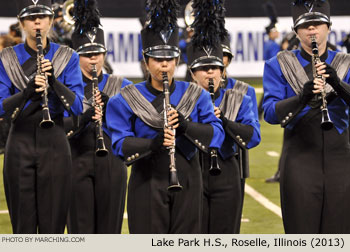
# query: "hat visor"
{"type": "Point", "coordinates": [227, 51]}
{"type": "Point", "coordinates": [163, 54]}
{"type": "Point", "coordinates": [212, 61]}
{"type": "Point", "coordinates": [311, 17]}
{"type": "Point", "coordinates": [35, 10]}
{"type": "Point", "coordinates": [91, 49]}
{"type": "Point", "coordinates": [166, 52]}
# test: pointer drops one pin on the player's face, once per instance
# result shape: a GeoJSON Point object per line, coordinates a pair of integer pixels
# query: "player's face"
{"type": "Point", "coordinates": [201, 76]}
{"type": "Point", "coordinates": [318, 29]}
{"type": "Point", "coordinates": [156, 67]}
{"type": "Point", "coordinates": [31, 24]}
{"type": "Point", "coordinates": [87, 60]}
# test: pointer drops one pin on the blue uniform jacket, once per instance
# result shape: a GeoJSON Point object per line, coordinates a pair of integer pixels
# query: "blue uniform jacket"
{"type": "Point", "coordinates": [276, 89]}
{"type": "Point", "coordinates": [247, 115]}
{"type": "Point", "coordinates": [101, 86]}
{"type": "Point", "coordinates": [121, 122]}
{"type": "Point", "coordinates": [271, 48]}
{"type": "Point", "coordinates": [71, 77]}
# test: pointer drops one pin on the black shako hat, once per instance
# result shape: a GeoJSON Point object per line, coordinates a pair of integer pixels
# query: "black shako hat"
{"type": "Point", "coordinates": [226, 47]}
{"type": "Point", "coordinates": [270, 11]}
{"type": "Point", "coordinates": [160, 34]}
{"type": "Point", "coordinates": [205, 48]}
{"type": "Point", "coordinates": [87, 36]}
{"type": "Point", "coordinates": [304, 11]}
{"type": "Point", "coordinates": [27, 8]}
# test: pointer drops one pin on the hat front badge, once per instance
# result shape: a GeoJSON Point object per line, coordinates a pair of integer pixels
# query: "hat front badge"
{"type": "Point", "coordinates": [309, 6]}
{"type": "Point", "coordinates": [208, 50]}
{"type": "Point", "coordinates": [165, 35]}
{"type": "Point", "coordinates": [91, 36]}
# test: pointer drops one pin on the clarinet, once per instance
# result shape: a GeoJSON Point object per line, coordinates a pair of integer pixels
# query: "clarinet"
{"type": "Point", "coordinates": [214, 169]}
{"type": "Point", "coordinates": [174, 184]}
{"type": "Point", "coordinates": [46, 122]}
{"type": "Point", "coordinates": [326, 123]}
{"type": "Point", "coordinates": [101, 150]}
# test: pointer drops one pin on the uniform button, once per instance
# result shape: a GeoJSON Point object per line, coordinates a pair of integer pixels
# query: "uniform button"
{"type": "Point", "coordinates": [283, 121]}
{"type": "Point", "coordinates": [128, 159]}
{"type": "Point", "coordinates": [133, 157]}
{"type": "Point", "coordinates": [200, 145]}
{"type": "Point", "coordinates": [243, 143]}
{"type": "Point", "coordinates": [240, 140]}
{"type": "Point", "coordinates": [203, 147]}
{"type": "Point", "coordinates": [67, 105]}
{"type": "Point", "coordinates": [196, 141]}
{"type": "Point", "coordinates": [287, 118]}
{"type": "Point", "coordinates": [64, 100]}
{"type": "Point", "coordinates": [137, 155]}
{"type": "Point", "coordinates": [62, 97]}
{"type": "Point", "coordinates": [290, 114]}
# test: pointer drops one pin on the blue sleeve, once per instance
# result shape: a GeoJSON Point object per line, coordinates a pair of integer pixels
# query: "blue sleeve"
{"type": "Point", "coordinates": [207, 116]}
{"type": "Point", "coordinates": [274, 90]}
{"type": "Point", "coordinates": [118, 118]}
{"type": "Point", "coordinates": [251, 93]}
{"type": "Point", "coordinates": [72, 78]}
{"type": "Point", "coordinates": [5, 87]}
{"type": "Point", "coordinates": [247, 116]}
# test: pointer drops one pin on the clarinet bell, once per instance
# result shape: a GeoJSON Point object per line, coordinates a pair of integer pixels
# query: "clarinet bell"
{"type": "Point", "coordinates": [46, 123]}
{"type": "Point", "coordinates": [101, 150]}
{"type": "Point", "coordinates": [214, 169]}
{"type": "Point", "coordinates": [174, 185]}
{"type": "Point", "coordinates": [326, 123]}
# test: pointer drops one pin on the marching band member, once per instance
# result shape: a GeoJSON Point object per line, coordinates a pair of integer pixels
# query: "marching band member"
{"type": "Point", "coordinates": [141, 121]}
{"type": "Point", "coordinates": [307, 92]}
{"type": "Point", "coordinates": [99, 177]}
{"type": "Point", "coordinates": [222, 204]}
{"type": "Point", "coordinates": [38, 81]}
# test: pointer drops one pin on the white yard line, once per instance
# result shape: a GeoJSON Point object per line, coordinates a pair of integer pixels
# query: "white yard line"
{"type": "Point", "coordinates": [272, 153]}
{"type": "Point", "coordinates": [263, 200]}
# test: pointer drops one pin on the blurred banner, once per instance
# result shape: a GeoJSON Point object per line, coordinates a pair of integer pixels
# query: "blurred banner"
{"type": "Point", "coordinates": [247, 38]}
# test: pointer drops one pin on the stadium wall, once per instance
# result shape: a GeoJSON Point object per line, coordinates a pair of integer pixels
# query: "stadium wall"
{"type": "Point", "coordinates": [122, 36]}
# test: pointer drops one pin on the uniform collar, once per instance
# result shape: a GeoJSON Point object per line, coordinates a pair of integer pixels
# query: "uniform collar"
{"type": "Point", "coordinates": [156, 92]}
{"type": "Point", "coordinates": [87, 80]}
{"type": "Point", "coordinates": [34, 53]}
{"type": "Point", "coordinates": [308, 57]}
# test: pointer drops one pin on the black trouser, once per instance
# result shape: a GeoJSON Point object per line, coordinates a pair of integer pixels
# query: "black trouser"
{"type": "Point", "coordinates": [4, 131]}
{"type": "Point", "coordinates": [152, 208]}
{"type": "Point", "coordinates": [37, 176]}
{"type": "Point", "coordinates": [222, 202]}
{"type": "Point", "coordinates": [315, 178]}
{"type": "Point", "coordinates": [238, 226]}
{"type": "Point", "coordinates": [99, 187]}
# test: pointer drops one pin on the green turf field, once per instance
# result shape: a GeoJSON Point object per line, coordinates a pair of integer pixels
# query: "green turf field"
{"type": "Point", "coordinates": [256, 218]}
